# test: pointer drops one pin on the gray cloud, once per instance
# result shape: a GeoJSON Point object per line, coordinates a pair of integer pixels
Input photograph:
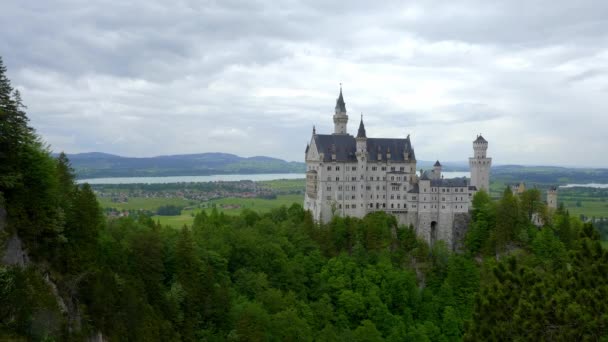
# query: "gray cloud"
{"type": "Point", "coordinates": [252, 77]}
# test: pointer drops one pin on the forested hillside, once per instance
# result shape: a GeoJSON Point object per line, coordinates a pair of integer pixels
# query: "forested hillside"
{"type": "Point", "coordinates": [278, 276]}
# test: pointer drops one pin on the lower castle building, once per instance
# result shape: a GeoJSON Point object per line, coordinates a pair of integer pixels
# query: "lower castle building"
{"type": "Point", "coordinates": [354, 176]}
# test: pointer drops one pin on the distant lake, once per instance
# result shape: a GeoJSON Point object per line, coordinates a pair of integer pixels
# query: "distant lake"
{"type": "Point", "coordinates": [215, 178]}
{"type": "Point", "coordinates": [588, 185]}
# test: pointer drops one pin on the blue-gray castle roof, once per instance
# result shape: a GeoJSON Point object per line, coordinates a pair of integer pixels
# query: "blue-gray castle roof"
{"type": "Point", "coordinates": [344, 146]}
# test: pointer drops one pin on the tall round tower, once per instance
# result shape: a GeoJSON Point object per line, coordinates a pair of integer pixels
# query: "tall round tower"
{"type": "Point", "coordinates": [552, 197]}
{"type": "Point", "coordinates": [480, 165]}
{"type": "Point", "coordinates": [340, 117]}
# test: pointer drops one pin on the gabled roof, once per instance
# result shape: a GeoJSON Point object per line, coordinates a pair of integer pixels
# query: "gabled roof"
{"type": "Point", "coordinates": [345, 147]}
{"type": "Point", "coordinates": [437, 163]}
{"type": "Point", "coordinates": [450, 182]}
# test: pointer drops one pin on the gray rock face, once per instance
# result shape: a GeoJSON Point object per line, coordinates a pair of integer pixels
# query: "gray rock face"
{"type": "Point", "coordinates": [14, 254]}
{"type": "Point", "coordinates": [460, 227]}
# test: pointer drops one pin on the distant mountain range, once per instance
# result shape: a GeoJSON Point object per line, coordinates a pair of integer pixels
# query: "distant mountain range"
{"type": "Point", "coordinates": [97, 164]}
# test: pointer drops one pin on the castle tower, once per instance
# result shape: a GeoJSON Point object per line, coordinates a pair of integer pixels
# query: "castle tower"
{"type": "Point", "coordinates": [340, 117]}
{"type": "Point", "coordinates": [552, 197]}
{"type": "Point", "coordinates": [437, 170]}
{"type": "Point", "coordinates": [361, 153]}
{"type": "Point", "coordinates": [480, 165]}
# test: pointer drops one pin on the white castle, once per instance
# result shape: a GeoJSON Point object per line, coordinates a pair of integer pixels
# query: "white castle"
{"type": "Point", "coordinates": [354, 176]}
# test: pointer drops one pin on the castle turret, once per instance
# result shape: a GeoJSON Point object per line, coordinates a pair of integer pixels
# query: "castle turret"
{"type": "Point", "coordinates": [437, 170]}
{"type": "Point", "coordinates": [480, 165]}
{"type": "Point", "coordinates": [552, 198]}
{"type": "Point", "coordinates": [340, 117]}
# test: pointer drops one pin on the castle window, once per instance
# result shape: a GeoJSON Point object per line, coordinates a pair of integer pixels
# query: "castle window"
{"type": "Point", "coordinates": [377, 178]}
{"type": "Point", "coordinates": [371, 205]}
{"type": "Point", "coordinates": [377, 187]}
{"type": "Point", "coordinates": [340, 206]}
{"type": "Point", "coordinates": [347, 206]}
{"type": "Point", "coordinates": [443, 207]}
{"type": "Point", "coordinates": [383, 168]}
{"type": "Point", "coordinates": [392, 196]}
{"type": "Point", "coordinates": [337, 168]}
{"type": "Point", "coordinates": [392, 178]}
{"type": "Point", "coordinates": [383, 205]}
{"type": "Point", "coordinates": [398, 196]}
{"type": "Point", "coordinates": [337, 179]}
{"type": "Point", "coordinates": [442, 190]}
{"type": "Point", "coordinates": [413, 198]}
{"type": "Point", "coordinates": [392, 206]}
{"type": "Point", "coordinates": [353, 197]}
{"type": "Point", "coordinates": [328, 168]}
{"type": "Point", "coordinates": [353, 188]}
{"type": "Point", "coordinates": [354, 168]}
{"type": "Point", "coordinates": [404, 205]}
{"type": "Point", "coordinates": [402, 169]}
{"type": "Point", "coordinates": [328, 188]}
{"type": "Point", "coordinates": [398, 205]}
{"type": "Point", "coordinates": [392, 168]}
{"type": "Point", "coordinates": [443, 198]}
{"type": "Point", "coordinates": [384, 187]}
{"type": "Point", "coordinates": [339, 187]}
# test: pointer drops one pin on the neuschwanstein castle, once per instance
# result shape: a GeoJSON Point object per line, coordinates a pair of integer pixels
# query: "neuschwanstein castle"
{"type": "Point", "coordinates": [353, 176]}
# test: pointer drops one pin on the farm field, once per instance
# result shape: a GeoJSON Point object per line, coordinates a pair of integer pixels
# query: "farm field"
{"type": "Point", "coordinates": [146, 203]}
{"type": "Point", "coordinates": [229, 206]}
{"type": "Point", "coordinates": [225, 205]}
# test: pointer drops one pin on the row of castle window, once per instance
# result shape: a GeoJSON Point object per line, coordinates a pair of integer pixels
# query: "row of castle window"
{"type": "Point", "coordinates": [374, 168]}
{"type": "Point", "coordinates": [445, 189]}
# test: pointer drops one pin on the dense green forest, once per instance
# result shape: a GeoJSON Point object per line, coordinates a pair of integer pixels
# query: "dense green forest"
{"type": "Point", "coordinates": [278, 276]}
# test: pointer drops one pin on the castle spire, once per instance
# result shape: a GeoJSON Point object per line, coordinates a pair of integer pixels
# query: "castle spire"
{"type": "Point", "coordinates": [361, 132]}
{"type": "Point", "coordinates": [340, 104]}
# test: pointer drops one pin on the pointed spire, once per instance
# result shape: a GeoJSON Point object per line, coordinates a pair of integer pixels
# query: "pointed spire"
{"type": "Point", "coordinates": [437, 163]}
{"type": "Point", "coordinates": [340, 105]}
{"type": "Point", "coordinates": [314, 130]}
{"type": "Point", "coordinates": [361, 132]}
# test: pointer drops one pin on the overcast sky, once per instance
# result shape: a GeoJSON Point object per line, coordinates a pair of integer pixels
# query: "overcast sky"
{"type": "Point", "coordinates": [252, 77]}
